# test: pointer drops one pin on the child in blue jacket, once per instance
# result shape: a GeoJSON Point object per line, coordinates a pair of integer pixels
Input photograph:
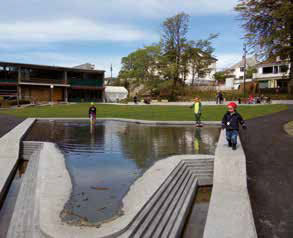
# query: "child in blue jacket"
{"type": "Point", "coordinates": [231, 121]}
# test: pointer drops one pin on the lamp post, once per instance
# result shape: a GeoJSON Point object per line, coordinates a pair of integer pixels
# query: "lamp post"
{"type": "Point", "coordinates": [244, 72]}
{"type": "Point", "coordinates": [52, 87]}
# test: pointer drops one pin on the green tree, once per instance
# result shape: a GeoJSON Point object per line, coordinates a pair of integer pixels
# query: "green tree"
{"type": "Point", "coordinates": [269, 28]}
{"type": "Point", "coordinates": [140, 64]}
{"type": "Point", "coordinates": [199, 56]}
{"type": "Point", "coordinates": [173, 41]}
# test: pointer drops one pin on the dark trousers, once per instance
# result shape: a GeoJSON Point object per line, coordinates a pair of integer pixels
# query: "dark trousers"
{"type": "Point", "coordinates": [197, 117]}
{"type": "Point", "coordinates": [231, 135]}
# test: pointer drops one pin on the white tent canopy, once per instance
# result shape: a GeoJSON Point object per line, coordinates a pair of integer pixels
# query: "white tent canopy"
{"type": "Point", "coordinates": [114, 94]}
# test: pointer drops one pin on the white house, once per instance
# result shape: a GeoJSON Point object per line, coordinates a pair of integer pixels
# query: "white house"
{"type": "Point", "coordinates": [272, 74]}
{"type": "Point", "coordinates": [237, 70]}
{"type": "Point", "coordinates": [207, 79]}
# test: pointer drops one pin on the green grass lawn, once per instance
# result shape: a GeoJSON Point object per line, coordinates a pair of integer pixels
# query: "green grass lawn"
{"type": "Point", "coordinates": [158, 113]}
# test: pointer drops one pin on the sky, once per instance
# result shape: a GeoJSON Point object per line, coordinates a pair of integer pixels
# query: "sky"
{"type": "Point", "coordinates": [101, 32]}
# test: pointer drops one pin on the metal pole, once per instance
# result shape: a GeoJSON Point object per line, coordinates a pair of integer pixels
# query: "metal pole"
{"type": "Point", "coordinates": [17, 87]}
{"type": "Point", "coordinates": [244, 73]}
{"type": "Point", "coordinates": [111, 69]}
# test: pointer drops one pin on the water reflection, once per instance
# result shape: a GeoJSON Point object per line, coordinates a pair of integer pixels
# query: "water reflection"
{"type": "Point", "coordinates": [104, 160]}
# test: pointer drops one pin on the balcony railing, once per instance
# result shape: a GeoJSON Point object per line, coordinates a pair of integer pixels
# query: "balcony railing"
{"type": "Point", "coordinates": [43, 81]}
{"type": "Point", "coordinates": [271, 75]}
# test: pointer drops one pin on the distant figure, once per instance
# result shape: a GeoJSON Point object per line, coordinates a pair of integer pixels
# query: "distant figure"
{"type": "Point", "coordinates": [197, 111]}
{"type": "Point", "coordinates": [251, 99]}
{"type": "Point", "coordinates": [269, 100]}
{"type": "Point", "coordinates": [230, 122]}
{"type": "Point", "coordinates": [239, 100]}
{"type": "Point", "coordinates": [135, 99]}
{"type": "Point", "coordinates": [147, 101]}
{"type": "Point", "coordinates": [92, 113]}
{"type": "Point", "coordinates": [219, 98]}
{"type": "Point", "coordinates": [262, 98]}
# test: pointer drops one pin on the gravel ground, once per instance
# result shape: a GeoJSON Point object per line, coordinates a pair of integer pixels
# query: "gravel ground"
{"type": "Point", "coordinates": [269, 152]}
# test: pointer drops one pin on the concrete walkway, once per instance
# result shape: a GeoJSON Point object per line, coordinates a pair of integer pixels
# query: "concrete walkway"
{"type": "Point", "coordinates": [206, 103]}
{"type": "Point", "coordinates": [269, 152]}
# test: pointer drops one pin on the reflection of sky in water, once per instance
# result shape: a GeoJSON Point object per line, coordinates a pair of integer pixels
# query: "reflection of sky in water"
{"type": "Point", "coordinates": [105, 160]}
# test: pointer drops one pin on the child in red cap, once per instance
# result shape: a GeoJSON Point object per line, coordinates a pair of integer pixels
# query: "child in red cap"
{"type": "Point", "coordinates": [231, 122]}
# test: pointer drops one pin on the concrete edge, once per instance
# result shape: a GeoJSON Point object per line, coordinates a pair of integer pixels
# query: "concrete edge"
{"type": "Point", "coordinates": [9, 154]}
{"type": "Point", "coordinates": [230, 213]}
{"type": "Point", "coordinates": [58, 180]}
{"type": "Point", "coordinates": [132, 121]}
{"type": "Point", "coordinates": [288, 128]}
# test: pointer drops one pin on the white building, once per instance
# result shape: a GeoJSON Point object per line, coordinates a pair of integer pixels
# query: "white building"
{"type": "Point", "coordinates": [237, 70]}
{"type": "Point", "coordinates": [272, 74]}
{"type": "Point", "coordinates": [207, 79]}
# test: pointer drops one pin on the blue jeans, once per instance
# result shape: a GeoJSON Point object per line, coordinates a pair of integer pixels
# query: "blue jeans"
{"type": "Point", "coordinates": [231, 135]}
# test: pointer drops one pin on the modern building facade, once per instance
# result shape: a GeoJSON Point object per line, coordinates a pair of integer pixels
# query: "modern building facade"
{"type": "Point", "coordinates": [43, 83]}
{"type": "Point", "coordinates": [274, 74]}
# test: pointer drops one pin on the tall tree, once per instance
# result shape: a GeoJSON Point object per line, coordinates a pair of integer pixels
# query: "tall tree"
{"type": "Point", "coordinates": [199, 55]}
{"type": "Point", "coordinates": [173, 39]}
{"type": "Point", "coordinates": [269, 27]}
{"type": "Point", "coordinates": [140, 64]}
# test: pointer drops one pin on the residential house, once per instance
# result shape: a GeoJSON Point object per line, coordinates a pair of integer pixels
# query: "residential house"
{"type": "Point", "coordinates": [272, 74]}
{"type": "Point", "coordinates": [203, 80]}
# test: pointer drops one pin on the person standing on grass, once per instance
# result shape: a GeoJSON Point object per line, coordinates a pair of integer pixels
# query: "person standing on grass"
{"type": "Point", "coordinates": [230, 122]}
{"type": "Point", "coordinates": [92, 113]}
{"type": "Point", "coordinates": [197, 106]}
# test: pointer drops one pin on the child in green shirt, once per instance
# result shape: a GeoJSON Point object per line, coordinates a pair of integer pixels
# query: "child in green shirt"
{"type": "Point", "coordinates": [197, 111]}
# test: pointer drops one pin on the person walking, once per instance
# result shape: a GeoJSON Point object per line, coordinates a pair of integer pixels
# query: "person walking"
{"type": "Point", "coordinates": [92, 113]}
{"type": "Point", "coordinates": [220, 98]}
{"type": "Point", "coordinates": [230, 122]}
{"type": "Point", "coordinates": [197, 106]}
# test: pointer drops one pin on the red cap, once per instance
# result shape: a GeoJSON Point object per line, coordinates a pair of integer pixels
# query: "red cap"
{"type": "Point", "coordinates": [232, 104]}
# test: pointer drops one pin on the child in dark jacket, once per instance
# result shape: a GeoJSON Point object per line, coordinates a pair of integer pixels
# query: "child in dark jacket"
{"type": "Point", "coordinates": [231, 122]}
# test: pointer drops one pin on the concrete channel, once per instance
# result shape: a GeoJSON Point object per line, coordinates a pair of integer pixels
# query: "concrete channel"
{"type": "Point", "coordinates": [158, 211]}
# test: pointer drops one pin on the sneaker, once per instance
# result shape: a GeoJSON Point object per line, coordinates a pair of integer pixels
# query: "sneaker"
{"type": "Point", "coordinates": [233, 146]}
{"type": "Point", "coordinates": [229, 143]}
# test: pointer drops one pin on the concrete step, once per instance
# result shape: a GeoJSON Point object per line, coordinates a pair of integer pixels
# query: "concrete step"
{"type": "Point", "coordinates": [170, 203]}
{"type": "Point", "coordinates": [172, 212]}
{"type": "Point", "coordinates": [174, 229]}
{"type": "Point", "coordinates": [150, 205]}
{"type": "Point", "coordinates": [22, 222]}
{"type": "Point", "coordinates": [154, 220]}
{"type": "Point", "coordinates": [27, 148]}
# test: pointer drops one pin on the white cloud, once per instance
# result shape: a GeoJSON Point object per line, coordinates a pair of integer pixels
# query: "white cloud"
{"type": "Point", "coordinates": [227, 60]}
{"type": "Point", "coordinates": [70, 30]}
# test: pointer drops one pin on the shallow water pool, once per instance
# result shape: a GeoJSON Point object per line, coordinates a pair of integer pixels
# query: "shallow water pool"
{"type": "Point", "coordinates": [104, 160]}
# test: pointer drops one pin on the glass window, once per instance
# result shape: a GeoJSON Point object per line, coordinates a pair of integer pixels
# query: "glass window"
{"type": "Point", "coordinates": [276, 69]}
{"type": "Point", "coordinates": [267, 70]}
{"type": "Point", "coordinates": [284, 68]}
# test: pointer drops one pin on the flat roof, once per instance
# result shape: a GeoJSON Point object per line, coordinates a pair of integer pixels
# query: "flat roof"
{"type": "Point", "coordinates": [39, 66]}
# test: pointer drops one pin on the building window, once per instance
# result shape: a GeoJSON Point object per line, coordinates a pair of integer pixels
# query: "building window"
{"type": "Point", "coordinates": [284, 68]}
{"type": "Point", "coordinates": [241, 69]}
{"type": "Point", "coordinates": [267, 70]}
{"type": "Point", "coordinates": [276, 69]}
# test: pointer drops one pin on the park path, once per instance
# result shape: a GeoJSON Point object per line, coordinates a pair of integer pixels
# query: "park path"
{"type": "Point", "coordinates": [269, 153]}
{"type": "Point", "coordinates": [8, 122]}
